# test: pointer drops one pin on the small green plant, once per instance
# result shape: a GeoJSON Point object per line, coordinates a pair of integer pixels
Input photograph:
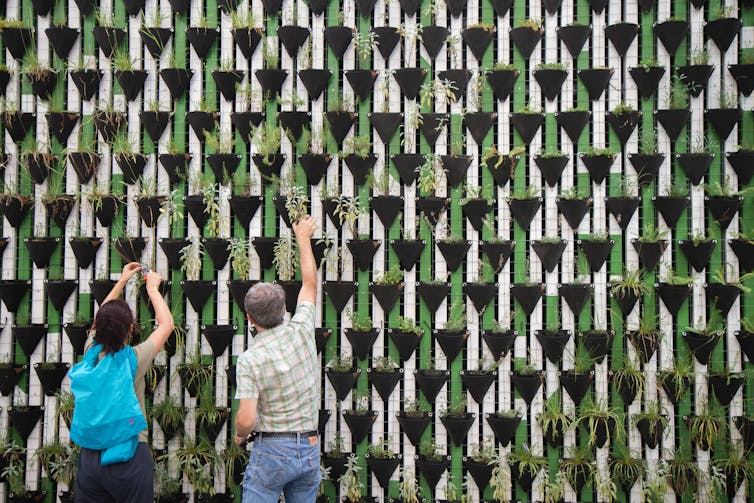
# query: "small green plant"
{"type": "Point", "coordinates": [408, 488]}
{"type": "Point", "coordinates": [630, 376]}
{"type": "Point", "coordinates": [699, 57]}
{"type": "Point", "coordinates": [430, 451]}
{"type": "Point", "coordinates": [625, 467]}
{"type": "Point", "coordinates": [413, 408]}
{"type": "Point", "coordinates": [384, 364]}
{"type": "Point", "coordinates": [381, 449]}
{"type": "Point", "coordinates": [598, 415]}
{"type": "Point", "coordinates": [359, 322]}
{"type": "Point", "coordinates": [632, 283]}
{"type": "Point", "coordinates": [578, 464]}
{"type": "Point", "coordinates": [654, 413]}
{"type": "Point", "coordinates": [360, 146]}
{"type": "Point", "coordinates": [652, 234]}
{"type": "Point", "coordinates": [532, 24]}
{"type": "Point", "coordinates": [457, 319]}
{"type": "Point", "coordinates": [393, 276]}
{"type": "Point", "coordinates": [169, 413]}
{"type": "Point", "coordinates": [285, 258]}
{"type": "Point", "coordinates": [456, 408]}
{"type": "Point", "coordinates": [350, 481]}
{"type": "Point", "coordinates": [524, 367]}
{"type": "Point", "coordinates": [484, 452]}
{"type": "Point", "coordinates": [240, 257]}
{"type": "Point", "coordinates": [408, 325]}
{"type": "Point", "coordinates": [197, 462]}
{"type": "Point", "coordinates": [347, 210]}
{"type": "Point", "coordinates": [706, 426]}
{"type": "Point", "coordinates": [553, 420]}
{"type": "Point", "coordinates": [191, 259]}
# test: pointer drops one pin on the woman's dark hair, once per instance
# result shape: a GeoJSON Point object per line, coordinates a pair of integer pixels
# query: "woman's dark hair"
{"type": "Point", "coordinates": [112, 325]}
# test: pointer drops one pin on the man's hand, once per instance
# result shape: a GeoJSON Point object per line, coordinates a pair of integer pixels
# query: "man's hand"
{"type": "Point", "coordinates": [153, 281]}
{"type": "Point", "coordinates": [129, 270]}
{"type": "Point", "coordinates": [305, 227]}
{"type": "Point", "coordinates": [240, 441]}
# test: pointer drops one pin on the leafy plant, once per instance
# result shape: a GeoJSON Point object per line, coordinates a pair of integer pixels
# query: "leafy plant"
{"type": "Point", "coordinates": [359, 322]}
{"type": "Point", "coordinates": [347, 210]}
{"type": "Point", "coordinates": [630, 376]}
{"type": "Point", "coordinates": [381, 449]}
{"type": "Point", "coordinates": [360, 146]}
{"type": "Point", "coordinates": [266, 140]}
{"type": "Point", "coordinates": [351, 481]}
{"type": "Point", "coordinates": [285, 258]}
{"type": "Point", "coordinates": [393, 276]}
{"type": "Point", "coordinates": [553, 420]}
{"type": "Point", "coordinates": [341, 363]}
{"type": "Point", "coordinates": [196, 461]}
{"type": "Point", "coordinates": [408, 487]}
{"type": "Point", "coordinates": [169, 413]}
{"type": "Point", "coordinates": [705, 427]}
{"type": "Point", "coordinates": [240, 257]}
{"type": "Point", "coordinates": [632, 283]}
{"type": "Point", "coordinates": [191, 259]}
{"type": "Point", "coordinates": [598, 414]}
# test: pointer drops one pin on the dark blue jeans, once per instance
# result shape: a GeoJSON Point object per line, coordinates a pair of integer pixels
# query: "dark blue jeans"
{"type": "Point", "coordinates": [287, 466]}
{"type": "Point", "coordinates": [129, 482]}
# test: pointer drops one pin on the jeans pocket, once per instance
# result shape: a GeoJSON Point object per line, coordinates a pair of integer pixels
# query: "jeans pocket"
{"type": "Point", "coordinates": [313, 474]}
{"type": "Point", "coordinates": [269, 470]}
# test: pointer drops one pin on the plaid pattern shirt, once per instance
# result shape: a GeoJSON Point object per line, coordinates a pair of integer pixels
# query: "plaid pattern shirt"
{"type": "Point", "coordinates": [281, 370]}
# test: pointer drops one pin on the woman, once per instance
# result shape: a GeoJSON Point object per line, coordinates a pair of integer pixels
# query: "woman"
{"type": "Point", "coordinates": [131, 481]}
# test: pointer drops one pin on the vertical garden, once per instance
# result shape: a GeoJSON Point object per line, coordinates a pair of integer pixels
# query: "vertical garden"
{"type": "Point", "coordinates": [536, 239]}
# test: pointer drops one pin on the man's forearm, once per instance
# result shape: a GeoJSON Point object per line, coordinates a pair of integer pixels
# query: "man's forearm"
{"type": "Point", "coordinates": [308, 264]}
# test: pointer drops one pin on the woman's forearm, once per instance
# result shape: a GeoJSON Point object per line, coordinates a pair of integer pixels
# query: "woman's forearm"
{"type": "Point", "coordinates": [116, 291]}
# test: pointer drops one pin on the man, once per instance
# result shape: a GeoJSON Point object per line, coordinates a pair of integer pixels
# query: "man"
{"type": "Point", "coordinates": [278, 388]}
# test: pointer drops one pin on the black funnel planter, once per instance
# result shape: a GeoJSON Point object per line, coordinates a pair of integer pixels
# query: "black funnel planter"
{"type": "Point", "coordinates": [432, 470]}
{"type": "Point", "coordinates": [480, 471]}
{"type": "Point", "coordinates": [212, 429]}
{"type": "Point", "coordinates": [695, 77]}
{"type": "Point", "coordinates": [501, 82]}
{"type": "Point", "coordinates": [131, 82]}
{"type": "Point", "coordinates": [504, 427]}
{"type": "Point", "coordinates": [24, 419]}
{"type": "Point", "coordinates": [386, 208]}
{"type": "Point", "coordinates": [527, 124]}
{"type": "Point", "coordinates": [477, 383]}
{"type": "Point", "coordinates": [342, 382]}
{"type": "Point", "coordinates": [100, 288]}
{"type": "Point", "coordinates": [650, 253]}
{"type": "Point", "coordinates": [624, 124]}
{"type": "Point", "coordinates": [671, 208]}
{"type": "Point", "coordinates": [433, 124]}
{"type": "Point", "coordinates": [576, 296]}
{"type": "Point", "coordinates": [134, 6]}
{"type": "Point", "coordinates": [669, 387]}
{"type": "Point", "coordinates": [622, 209]}
{"type": "Point", "coordinates": [315, 166]}
{"type": "Point", "coordinates": [433, 39]}
{"type": "Point", "coordinates": [746, 426]}
{"type": "Point", "coordinates": [744, 250]}
{"type": "Point", "coordinates": [553, 343]}
{"type": "Point", "coordinates": [149, 209]}
{"type": "Point", "coordinates": [321, 335]}
{"type": "Point", "coordinates": [384, 382]}
{"type": "Point", "coordinates": [671, 33]}
{"type": "Point", "coordinates": [337, 465]}
{"type": "Point", "coordinates": [673, 121]}
{"type": "Point", "coordinates": [247, 40]}
{"type": "Point", "coordinates": [198, 292]}
{"type": "Point", "coordinates": [382, 468]}
{"type": "Point", "coordinates": [432, 207]}
{"type": "Point", "coordinates": [60, 208]}
{"type": "Point", "coordinates": [109, 124]}
{"type": "Point", "coordinates": [28, 336]}
{"type": "Point", "coordinates": [451, 342]}
{"type": "Point", "coordinates": [172, 249]}
{"type": "Point", "coordinates": [595, 80]}
{"type": "Point", "coordinates": [315, 81]}
{"type": "Point", "coordinates": [219, 337]}
{"type": "Point", "coordinates": [339, 293]}
{"type": "Point", "coordinates": [293, 38]}
{"type": "Point", "coordinates": [60, 124]}
{"type": "Point", "coordinates": [598, 166]}
{"type": "Point", "coordinates": [430, 382]}
{"type": "Point", "coordinates": [155, 124]}
{"type": "Point", "coordinates": [132, 166]}
{"type": "Point", "coordinates": [551, 167]}
{"type": "Point", "coordinates": [238, 289]}
{"type": "Point", "coordinates": [18, 124]}
{"type": "Point", "coordinates": [339, 38]}
{"type": "Point", "coordinates": [476, 211]}
{"type": "Point", "coordinates": [433, 294]}
{"type": "Point", "coordinates": [574, 210]}
{"type": "Point", "coordinates": [39, 165]}
{"type": "Point", "coordinates": [17, 40]}
{"type": "Point", "coordinates": [41, 249]}
{"type": "Point", "coordinates": [195, 207]}
{"type": "Point", "coordinates": [499, 343]}
{"type": "Point", "coordinates": [109, 39]}
{"type": "Point", "coordinates": [361, 341]}
{"type": "Point", "coordinates": [650, 431]}
{"type": "Point", "coordinates": [408, 251]}
{"type": "Point", "coordinates": [722, 31]}
{"type": "Point", "coordinates": [177, 80]}
{"type": "Point", "coordinates": [549, 253]}
{"type": "Point", "coordinates": [360, 167]}
{"type": "Point", "coordinates": [725, 387]}
{"type": "Point", "coordinates": [59, 291]}
{"type": "Point", "coordinates": [155, 39]}
{"type": "Point", "coordinates": [480, 293]}
{"type": "Point", "coordinates": [405, 342]}
{"type": "Point", "coordinates": [454, 252]}
{"type": "Point", "coordinates": [362, 251]}
{"type": "Point", "coordinates": [201, 39]}
{"type": "Point", "coordinates": [647, 78]}
{"type": "Point", "coordinates": [701, 345]}
{"type": "Point", "coordinates": [479, 124]}
{"type": "Point", "coordinates": [217, 249]}
{"type": "Point", "coordinates": [271, 81]}
{"type": "Point", "coordinates": [9, 377]}
{"type": "Point", "coordinates": [574, 37]}
{"type": "Point", "coordinates": [227, 81]}
{"type": "Point", "coordinates": [743, 74]}
{"type": "Point", "coordinates": [524, 210]}
{"type": "Point", "coordinates": [362, 82]}
{"type": "Point", "coordinates": [699, 254]}
{"type": "Point", "coordinates": [224, 165]}
{"type": "Point", "coordinates": [524, 477]}
{"type": "Point", "coordinates": [526, 39]}
{"type": "Point", "coordinates": [340, 124]}
{"type": "Point", "coordinates": [175, 166]}
{"type": "Point", "coordinates": [130, 249]}
{"type": "Point", "coordinates": [410, 80]}
{"type": "Point", "coordinates": [85, 164]}
{"type": "Point", "coordinates": [576, 384]}
{"type": "Point", "coordinates": [458, 427]}
{"type": "Point", "coordinates": [622, 35]}
{"type": "Point", "coordinates": [386, 294]}
{"type": "Point", "coordinates": [673, 296]}
{"type": "Point", "coordinates": [573, 123]}
{"type": "Point", "coordinates": [407, 165]}
{"type": "Point", "coordinates": [13, 292]}
{"type": "Point", "coordinates": [723, 208]}
{"type": "Point", "coordinates": [414, 426]}
{"type": "Point", "coordinates": [51, 376]}
{"type": "Point", "coordinates": [723, 120]}
{"type": "Point", "coordinates": [597, 6]}
{"type": "Point", "coordinates": [646, 344]}
{"type": "Point", "coordinates": [527, 385]}
{"type": "Point", "coordinates": [387, 38]}
{"type": "Point", "coordinates": [550, 82]}
{"type": "Point", "coordinates": [359, 425]}
{"type": "Point", "coordinates": [42, 82]}
{"type": "Point", "coordinates": [597, 343]}
{"type": "Point", "coordinates": [477, 39]}
{"type": "Point", "coordinates": [742, 163]}
{"type": "Point", "coordinates": [455, 168]}
{"type": "Point", "coordinates": [528, 295]}
{"type": "Point", "coordinates": [293, 122]}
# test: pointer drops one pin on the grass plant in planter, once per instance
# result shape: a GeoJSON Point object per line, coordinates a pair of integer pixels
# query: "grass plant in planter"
{"type": "Point", "coordinates": [725, 384]}
{"type": "Point", "coordinates": [15, 206]}
{"type": "Point", "coordinates": [650, 246]}
{"type": "Point", "coordinates": [194, 373]}
{"type": "Point", "coordinates": [358, 156]}
{"type": "Point", "coordinates": [723, 202]}
{"type": "Point", "coordinates": [431, 462]}
{"type": "Point", "coordinates": [628, 289]}
{"type": "Point", "coordinates": [698, 250]}
{"type": "Point", "coordinates": [706, 427]}
{"type": "Point", "coordinates": [41, 77]}
{"type": "Point", "coordinates": [553, 421]}
{"type": "Point", "coordinates": [526, 35]}
{"type": "Point", "coordinates": [285, 259]}
{"type": "Point", "coordinates": [703, 340]}
{"type": "Point", "coordinates": [452, 338]}
{"type": "Point", "coordinates": [170, 415]}
{"type": "Point", "coordinates": [629, 380]}
{"type": "Point", "coordinates": [527, 122]}
{"type": "Point", "coordinates": [736, 468]}
{"type": "Point", "coordinates": [674, 118]}
{"type": "Point", "coordinates": [130, 161]}
{"type": "Point", "coordinates": [197, 461]}
{"type": "Point", "coordinates": [676, 380]}
{"type": "Point", "coordinates": [550, 77]}
{"type": "Point", "coordinates": [579, 467]}
{"type": "Point", "coordinates": [525, 466]}
{"type": "Point", "coordinates": [130, 78]}
{"type": "Point", "coordinates": [626, 467]}
{"type": "Point", "coordinates": [386, 206]}
{"type": "Point", "coordinates": [268, 159]}
{"type": "Point", "coordinates": [553, 340]}
{"type": "Point", "coordinates": [683, 472]}
{"type": "Point", "coordinates": [651, 423]}
{"type": "Point", "coordinates": [600, 420]}
{"type": "Point", "coordinates": [745, 337]}
{"type": "Point", "coordinates": [166, 488]}
{"type": "Point", "coordinates": [574, 206]}
{"type": "Point", "coordinates": [576, 382]}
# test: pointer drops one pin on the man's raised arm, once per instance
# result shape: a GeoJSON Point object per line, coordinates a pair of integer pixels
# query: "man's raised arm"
{"type": "Point", "coordinates": [304, 230]}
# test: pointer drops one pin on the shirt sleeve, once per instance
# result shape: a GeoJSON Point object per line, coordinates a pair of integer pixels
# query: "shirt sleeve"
{"type": "Point", "coordinates": [304, 315]}
{"type": "Point", "coordinates": [144, 355]}
{"type": "Point", "coordinates": [246, 384]}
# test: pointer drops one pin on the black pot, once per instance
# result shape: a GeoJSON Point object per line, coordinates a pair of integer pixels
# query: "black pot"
{"type": "Point", "coordinates": [18, 124]}
{"type": "Point", "coordinates": [622, 209]}
{"type": "Point", "coordinates": [694, 165]}
{"type": "Point", "coordinates": [650, 252]}
{"type": "Point", "coordinates": [293, 123]}
{"type": "Point", "coordinates": [527, 124]}
{"type": "Point", "coordinates": [202, 122]}
{"type": "Point", "coordinates": [59, 291]}
{"type": "Point", "coordinates": [9, 377]}
{"type": "Point", "coordinates": [576, 384]}
{"type": "Point", "coordinates": [527, 385]}
{"type": "Point", "coordinates": [408, 251]}
{"type": "Point", "coordinates": [386, 208]}
{"type": "Point", "coordinates": [155, 123]}
{"type": "Point", "coordinates": [595, 80]}
{"type": "Point", "coordinates": [109, 124]}
{"type": "Point", "coordinates": [384, 382]}
{"type": "Point", "coordinates": [524, 210]}
{"type": "Point", "coordinates": [155, 39]}
{"type": "Point", "coordinates": [175, 166]}
{"type": "Point", "coordinates": [362, 82]}
{"type": "Point", "coordinates": [432, 207]}
{"type": "Point", "coordinates": [526, 39]}
{"type": "Point", "coordinates": [362, 251]}
{"type": "Point", "coordinates": [339, 38]}
{"type": "Point", "coordinates": [198, 292]}
{"type": "Point", "coordinates": [39, 165]}
{"type": "Point", "coordinates": [622, 36]}
{"type": "Point", "coordinates": [573, 123]}
{"type": "Point", "coordinates": [61, 124]}
{"type": "Point", "coordinates": [671, 33]}
{"type": "Point", "coordinates": [458, 427]}
{"type": "Point", "coordinates": [499, 343]}
{"type": "Point", "coordinates": [431, 382]}
{"type": "Point", "coordinates": [574, 210]}
{"type": "Point", "coordinates": [149, 209]}
{"type": "Point", "coordinates": [293, 38]}
{"type": "Point", "coordinates": [528, 296]}
{"type": "Point", "coordinates": [549, 253]}
{"type": "Point", "coordinates": [224, 165]}
{"type": "Point", "coordinates": [624, 124]}
{"type": "Point", "coordinates": [451, 342]}
{"type": "Point", "coordinates": [645, 344]}
{"type": "Point", "coordinates": [698, 255]}
{"type": "Point", "coordinates": [315, 81]}
{"type": "Point", "coordinates": [479, 124]}
{"type": "Point", "coordinates": [361, 341]}
{"type": "Point", "coordinates": [725, 387]}
{"type": "Point", "coordinates": [477, 383]}
{"type": "Point", "coordinates": [723, 208]}
{"type": "Point", "coordinates": [383, 468]}
{"type": "Point", "coordinates": [432, 470]}
{"type": "Point", "coordinates": [598, 166]}
{"type": "Point", "coordinates": [650, 431]}
{"type": "Point", "coordinates": [201, 39]}
{"type": "Point", "coordinates": [647, 79]}
{"type": "Point", "coordinates": [100, 288]}
{"type": "Point", "coordinates": [480, 471]}
{"type": "Point", "coordinates": [597, 343]}
{"type": "Point", "coordinates": [670, 390]}
{"type": "Point", "coordinates": [131, 82]}
{"type": "Point", "coordinates": [551, 168]}
{"type": "Point", "coordinates": [647, 167]}
{"type": "Point", "coordinates": [360, 167]}
{"type": "Point", "coordinates": [695, 77]}
{"type": "Point", "coordinates": [701, 345]}
{"type": "Point", "coordinates": [574, 37]}
{"type": "Point", "coordinates": [77, 334]}
{"type": "Point", "coordinates": [553, 343]}
{"type": "Point", "coordinates": [41, 249]}
{"type": "Point", "coordinates": [386, 295]}
{"type": "Point", "coordinates": [342, 382]}
{"type": "Point", "coordinates": [219, 337]}
{"type": "Point", "coordinates": [433, 294]}
{"type": "Point", "coordinates": [455, 168]}
{"type": "Point", "coordinates": [315, 166]}
{"type": "Point", "coordinates": [477, 39]}
{"type": "Point", "coordinates": [130, 249]}
{"type": "Point", "coordinates": [217, 249]}
{"type": "Point", "coordinates": [271, 80]}
{"type": "Point", "coordinates": [339, 293]}
{"type": "Point", "coordinates": [51, 376]}
{"type": "Point", "coordinates": [340, 124]}
{"type": "Point", "coordinates": [60, 208]}
{"type": "Point", "coordinates": [28, 336]}
{"type": "Point", "coordinates": [405, 342]}
{"type": "Point", "coordinates": [433, 39]}
{"type": "Point", "coordinates": [673, 121]}
{"type": "Point", "coordinates": [722, 31]}
{"type": "Point", "coordinates": [432, 125]}
{"type": "Point", "coordinates": [238, 289]}
{"type": "Point", "coordinates": [85, 164]}
{"type": "Point", "coordinates": [247, 39]}
{"type": "Point", "coordinates": [576, 295]}
{"type": "Point", "coordinates": [550, 82]}
{"type": "Point", "coordinates": [410, 80]}
{"type": "Point", "coordinates": [414, 426]}
{"type": "Point", "coordinates": [132, 166]}
{"type": "Point", "coordinates": [109, 39]}
{"type": "Point", "coordinates": [671, 208]}
{"type": "Point", "coordinates": [212, 428]}
{"type": "Point", "coordinates": [501, 82]}
{"type": "Point", "coordinates": [476, 211]}
{"type": "Point", "coordinates": [17, 40]}
{"type": "Point", "coordinates": [359, 425]}
{"type": "Point", "coordinates": [24, 419]}
{"type": "Point", "coordinates": [723, 120]}
{"type": "Point", "coordinates": [504, 427]}
{"type": "Point", "coordinates": [743, 74]}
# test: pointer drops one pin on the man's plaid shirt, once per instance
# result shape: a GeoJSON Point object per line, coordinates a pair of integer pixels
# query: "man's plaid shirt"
{"type": "Point", "coordinates": [281, 369]}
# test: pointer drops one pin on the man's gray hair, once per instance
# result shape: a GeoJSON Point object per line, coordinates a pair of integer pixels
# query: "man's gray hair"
{"type": "Point", "coordinates": [265, 303]}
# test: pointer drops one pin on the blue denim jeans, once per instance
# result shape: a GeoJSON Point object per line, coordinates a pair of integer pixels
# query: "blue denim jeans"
{"type": "Point", "coordinates": [287, 466]}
